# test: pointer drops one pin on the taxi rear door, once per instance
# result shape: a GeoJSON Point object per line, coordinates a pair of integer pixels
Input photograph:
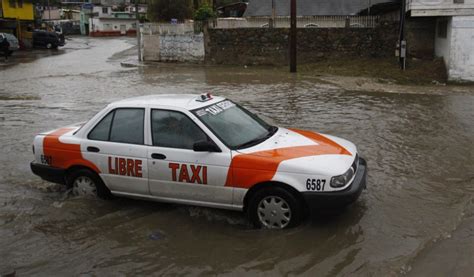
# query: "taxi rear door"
{"type": "Point", "coordinates": [116, 146]}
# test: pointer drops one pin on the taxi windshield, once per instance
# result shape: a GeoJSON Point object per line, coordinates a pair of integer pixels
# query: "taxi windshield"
{"type": "Point", "coordinates": [234, 125]}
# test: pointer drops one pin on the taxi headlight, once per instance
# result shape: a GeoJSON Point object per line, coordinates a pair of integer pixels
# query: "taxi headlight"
{"type": "Point", "coordinates": [342, 180]}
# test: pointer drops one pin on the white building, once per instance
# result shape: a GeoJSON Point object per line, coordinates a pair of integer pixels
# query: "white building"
{"type": "Point", "coordinates": [454, 37]}
{"type": "Point", "coordinates": [106, 22]}
{"type": "Point", "coordinates": [142, 9]}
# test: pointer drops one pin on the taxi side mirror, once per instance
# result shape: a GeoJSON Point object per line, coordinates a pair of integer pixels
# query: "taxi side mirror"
{"type": "Point", "coordinates": [205, 146]}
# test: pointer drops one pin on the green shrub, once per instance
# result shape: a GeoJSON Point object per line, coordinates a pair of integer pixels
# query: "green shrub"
{"type": "Point", "coordinates": [204, 13]}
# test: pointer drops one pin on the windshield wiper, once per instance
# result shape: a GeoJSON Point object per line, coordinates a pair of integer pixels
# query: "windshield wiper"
{"type": "Point", "coordinates": [271, 131]}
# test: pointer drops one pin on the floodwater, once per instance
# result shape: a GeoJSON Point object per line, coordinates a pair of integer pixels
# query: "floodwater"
{"type": "Point", "coordinates": [416, 217]}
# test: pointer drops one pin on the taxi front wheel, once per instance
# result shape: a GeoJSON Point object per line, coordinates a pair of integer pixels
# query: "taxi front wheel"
{"type": "Point", "coordinates": [84, 182]}
{"type": "Point", "coordinates": [274, 208]}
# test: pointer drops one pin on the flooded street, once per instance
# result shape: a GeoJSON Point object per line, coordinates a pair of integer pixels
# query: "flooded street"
{"type": "Point", "coordinates": [416, 216]}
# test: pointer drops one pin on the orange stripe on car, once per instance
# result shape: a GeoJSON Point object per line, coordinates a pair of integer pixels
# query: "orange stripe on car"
{"type": "Point", "coordinates": [320, 139]}
{"type": "Point", "coordinates": [247, 170]}
{"type": "Point", "coordinates": [64, 155]}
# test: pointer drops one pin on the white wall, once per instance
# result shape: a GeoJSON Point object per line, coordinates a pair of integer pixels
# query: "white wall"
{"type": "Point", "coordinates": [440, 7]}
{"type": "Point", "coordinates": [100, 11]}
{"type": "Point", "coordinates": [101, 25]}
{"type": "Point", "coordinates": [183, 48]}
{"type": "Point", "coordinates": [52, 14]}
{"type": "Point", "coordinates": [172, 42]}
{"type": "Point", "coordinates": [461, 58]}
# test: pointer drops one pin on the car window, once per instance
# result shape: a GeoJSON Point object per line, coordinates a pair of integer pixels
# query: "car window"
{"type": "Point", "coordinates": [121, 125]}
{"type": "Point", "coordinates": [234, 125]}
{"type": "Point", "coordinates": [127, 126]}
{"type": "Point", "coordinates": [101, 130]}
{"type": "Point", "coordinates": [175, 130]}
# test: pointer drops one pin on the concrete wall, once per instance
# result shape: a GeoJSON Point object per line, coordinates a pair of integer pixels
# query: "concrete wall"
{"type": "Point", "coordinates": [188, 47]}
{"type": "Point", "coordinates": [264, 46]}
{"type": "Point", "coordinates": [51, 14]}
{"type": "Point", "coordinates": [440, 7]}
{"type": "Point", "coordinates": [100, 10]}
{"type": "Point", "coordinates": [111, 26]}
{"type": "Point", "coordinates": [461, 58]}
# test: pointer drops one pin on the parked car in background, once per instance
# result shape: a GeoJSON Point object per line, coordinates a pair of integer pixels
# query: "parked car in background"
{"type": "Point", "coordinates": [47, 39]}
{"type": "Point", "coordinates": [12, 40]}
{"type": "Point", "coordinates": [59, 30]}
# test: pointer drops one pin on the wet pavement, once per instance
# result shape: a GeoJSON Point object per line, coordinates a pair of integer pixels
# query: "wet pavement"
{"type": "Point", "coordinates": [416, 217]}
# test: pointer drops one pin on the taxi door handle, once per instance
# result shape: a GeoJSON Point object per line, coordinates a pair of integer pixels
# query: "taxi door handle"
{"type": "Point", "coordinates": [93, 149]}
{"type": "Point", "coordinates": [158, 156]}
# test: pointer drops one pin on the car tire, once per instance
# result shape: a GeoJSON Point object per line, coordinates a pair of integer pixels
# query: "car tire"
{"type": "Point", "coordinates": [275, 208]}
{"type": "Point", "coordinates": [49, 45]}
{"type": "Point", "coordinates": [84, 182]}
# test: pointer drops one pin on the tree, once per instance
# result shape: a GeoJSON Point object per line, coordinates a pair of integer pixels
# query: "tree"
{"type": "Point", "coordinates": [204, 13]}
{"type": "Point", "coordinates": [165, 10]}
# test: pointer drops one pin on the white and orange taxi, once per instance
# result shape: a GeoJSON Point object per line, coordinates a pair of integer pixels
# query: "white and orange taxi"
{"type": "Point", "coordinates": [202, 150]}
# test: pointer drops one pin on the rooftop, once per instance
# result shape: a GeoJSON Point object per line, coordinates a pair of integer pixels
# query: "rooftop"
{"type": "Point", "coordinates": [184, 101]}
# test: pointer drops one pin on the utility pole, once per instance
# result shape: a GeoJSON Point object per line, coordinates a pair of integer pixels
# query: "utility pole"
{"type": "Point", "coordinates": [49, 12]}
{"type": "Point", "coordinates": [138, 31]}
{"type": "Point", "coordinates": [402, 44]}
{"type": "Point", "coordinates": [293, 36]}
{"type": "Point", "coordinates": [273, 25]}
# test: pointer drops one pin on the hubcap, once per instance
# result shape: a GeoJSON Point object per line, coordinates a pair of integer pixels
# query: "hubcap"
{"type": "Point", "coordinates": [84, 185]}
{"type": "Point", "coordinates": [274, 212]}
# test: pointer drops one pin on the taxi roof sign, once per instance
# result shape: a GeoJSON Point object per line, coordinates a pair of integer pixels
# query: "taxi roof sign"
{"type": "Point", "coordinates": [204, 97]}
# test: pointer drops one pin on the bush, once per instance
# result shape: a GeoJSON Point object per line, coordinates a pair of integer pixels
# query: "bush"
{"type": "Point", "coordinates": [204, 13]}
{"type": "Point", "coordinates": [165, 10]}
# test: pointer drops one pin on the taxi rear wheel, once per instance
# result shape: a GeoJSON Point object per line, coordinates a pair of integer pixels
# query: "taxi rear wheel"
{"type": "Point", "coordinates": [274, 208]}
{"type": "Point", "coordinates": [84, 182]}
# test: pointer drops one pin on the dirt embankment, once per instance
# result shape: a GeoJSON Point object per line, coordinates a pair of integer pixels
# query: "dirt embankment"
{"type": "Point", "coordinates": [361, 74]}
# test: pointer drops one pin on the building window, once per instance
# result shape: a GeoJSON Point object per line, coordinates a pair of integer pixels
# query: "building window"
{"type": "Point", "coordinates": [442, 28]}
{"type": "Point", "coordinates": [12, 3]}
{"type": "Point", "coordinates": [20, 3]}
{"type": "Point", "coordinates": [458, 1]}
{"type": "Point", "coordinates": [105, 10]}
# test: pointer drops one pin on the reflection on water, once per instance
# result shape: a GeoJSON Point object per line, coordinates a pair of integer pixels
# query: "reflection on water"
{"type": "Point", "coordinates": [418, 146]}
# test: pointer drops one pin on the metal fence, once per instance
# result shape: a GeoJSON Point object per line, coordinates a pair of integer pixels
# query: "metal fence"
{"type": "Point", "coordinates": [302, 22]}
{"type": "Point", "coordinates": [263, 22]}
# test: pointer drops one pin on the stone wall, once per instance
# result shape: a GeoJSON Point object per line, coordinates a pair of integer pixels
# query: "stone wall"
{"type": "Point", "coordinates": [264, 46]}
